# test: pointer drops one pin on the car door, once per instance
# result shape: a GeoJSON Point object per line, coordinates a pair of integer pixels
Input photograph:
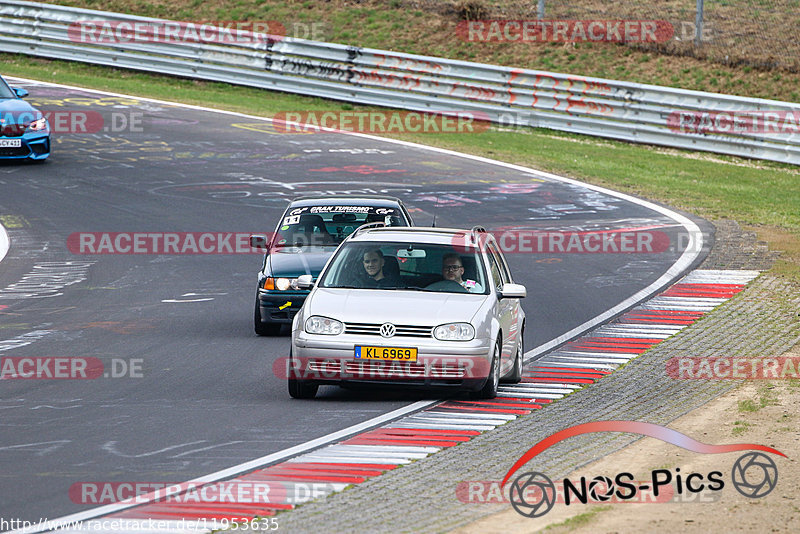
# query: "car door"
{"type": "Point", "coordinates": [507, 309]}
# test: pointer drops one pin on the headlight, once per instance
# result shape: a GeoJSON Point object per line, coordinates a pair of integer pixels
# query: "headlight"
{"type": "Point", "coordinates": [281, 284]}
{"type": "Point", "coordinates": [454, 332]}
{"type": "Point", "coordinates": [323, 325]}
{"type": "Point", "coordinates": [37, 125]}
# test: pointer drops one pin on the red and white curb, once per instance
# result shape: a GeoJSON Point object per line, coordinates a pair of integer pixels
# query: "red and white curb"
{"type": "Point", "coordinates": [355, 459]}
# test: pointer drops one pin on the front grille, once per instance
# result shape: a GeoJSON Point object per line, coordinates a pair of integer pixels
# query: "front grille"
{"type": "Point", "coordinates": [369, 329]}
{"type": "Point", "coordinates": [326, 367]}
{"type": "Point", "coordinates": [380, 369]}
{"type": "Point", "coordinates": [8, 151]}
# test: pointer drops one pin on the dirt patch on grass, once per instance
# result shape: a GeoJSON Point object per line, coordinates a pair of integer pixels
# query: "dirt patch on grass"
{"type": "Point", "coordinates": [788, 243]}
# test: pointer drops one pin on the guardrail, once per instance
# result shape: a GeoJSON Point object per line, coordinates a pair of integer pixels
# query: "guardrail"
{"type": "Point", "coordinates": [593, 106]}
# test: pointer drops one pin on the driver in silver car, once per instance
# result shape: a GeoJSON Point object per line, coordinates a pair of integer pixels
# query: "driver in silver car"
{"type": "Point", "coordinates": [453, 270]}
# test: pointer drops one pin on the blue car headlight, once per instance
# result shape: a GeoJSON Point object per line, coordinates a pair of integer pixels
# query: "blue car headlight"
{"type": "Point", "coordinates": [38, 125]}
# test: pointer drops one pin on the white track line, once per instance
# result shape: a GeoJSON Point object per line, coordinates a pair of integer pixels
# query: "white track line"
{"type": "Point", "coordinates": [5, 244]}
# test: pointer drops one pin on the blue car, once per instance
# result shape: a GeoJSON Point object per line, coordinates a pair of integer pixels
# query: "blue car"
{"type": "Point", "coordinates": [305, 238]}
{"type": "Point", "coordinates": [24, 130]}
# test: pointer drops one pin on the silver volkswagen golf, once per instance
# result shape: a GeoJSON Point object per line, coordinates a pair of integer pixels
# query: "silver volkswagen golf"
{"type": "Point", "coordinates": [414, 306]}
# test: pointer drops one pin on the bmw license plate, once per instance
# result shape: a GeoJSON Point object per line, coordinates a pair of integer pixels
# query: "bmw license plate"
{"type": "Point", "coordinates": [386, 353]}
{"type": "Point", "coordinates": [10, 143]}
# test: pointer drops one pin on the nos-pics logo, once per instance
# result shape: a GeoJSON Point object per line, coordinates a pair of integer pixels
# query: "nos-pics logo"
{"type": "Point", "coordinates": [533, 494]}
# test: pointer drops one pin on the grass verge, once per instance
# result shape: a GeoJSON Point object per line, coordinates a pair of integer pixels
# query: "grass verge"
{"type": "Point", "coordinates": [763, 195]}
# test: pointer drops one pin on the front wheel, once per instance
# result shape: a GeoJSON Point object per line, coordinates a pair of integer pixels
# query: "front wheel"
{"type": "Point", "coordinates": [489, 389]}
{"type": "Point", "coordinates": [299, 388]}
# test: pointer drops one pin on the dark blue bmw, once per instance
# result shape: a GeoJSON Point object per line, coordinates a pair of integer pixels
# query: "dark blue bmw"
{"type": "Point", "coordinates": [305, 238]}
{"type": "Point", "coordinates": [24, 131]}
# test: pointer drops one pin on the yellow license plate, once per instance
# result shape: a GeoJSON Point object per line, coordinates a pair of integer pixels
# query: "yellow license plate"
{"type": "Point", "coordinates": [386, 353]}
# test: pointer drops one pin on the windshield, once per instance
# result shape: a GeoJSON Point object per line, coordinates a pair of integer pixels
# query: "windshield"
{"type": "Point", "coordinates": [416, 266]}
{"type": "Point", "coordinates": [321, 226]}
{"type": "Point", "coordinates": [5, 90]}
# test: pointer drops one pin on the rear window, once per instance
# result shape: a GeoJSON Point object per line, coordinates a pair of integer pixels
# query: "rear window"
{"type": "Point", "coordinates": [329, 225]}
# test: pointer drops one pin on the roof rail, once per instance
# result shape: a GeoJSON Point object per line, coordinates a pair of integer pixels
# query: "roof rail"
{"type": "Point", "coordinates": [368, 226]}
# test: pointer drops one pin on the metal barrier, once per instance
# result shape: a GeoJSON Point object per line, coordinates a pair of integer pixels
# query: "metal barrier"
{"type": "Point", "coordinates": [606, 108]}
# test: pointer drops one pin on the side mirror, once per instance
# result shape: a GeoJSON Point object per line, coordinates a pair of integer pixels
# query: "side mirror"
{"type": "Point", "coordinates": [20, 92]}
{"type": "Point", "coordinates": [513, 291]}
{"type": "Point", "coordinates": [258, 241]}
{"type": "Point", "coordinates": [304, 281]}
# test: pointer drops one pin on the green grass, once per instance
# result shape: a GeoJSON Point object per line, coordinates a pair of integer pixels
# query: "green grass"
{"type": "Point", "coordinates": [740, 427]}
{"type": "Point", "coordinates": [765, 195]}
{"type": "Point", "coordinates": [577, 521]}
{"type": "Point", "coordinates": [748, 405]}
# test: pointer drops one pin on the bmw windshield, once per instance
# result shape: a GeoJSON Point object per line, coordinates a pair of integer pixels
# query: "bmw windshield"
{"type": "Point", "coordinates": [5, 90]}
{"type": "Point", "coordinates": [411, 266]}
{"type": "Point", "coordinates": [327, 226]}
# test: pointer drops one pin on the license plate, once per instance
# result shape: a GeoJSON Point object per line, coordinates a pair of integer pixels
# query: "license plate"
{"type": "Point", "coordinates": [386, 353]}
{"type": "Point", "coordinates": [10, 143]}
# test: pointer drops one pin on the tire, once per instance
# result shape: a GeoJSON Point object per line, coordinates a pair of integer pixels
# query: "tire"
{"type": "Point", "coordinates": [299, 388]}
{"type": "Point", "coordinates": [264, 329]}
{"type": "Point", "coordinates": [302, 389]}
{"type": "Point", "coordinates": [515, 375]}
{"type": "Point", "coordinates": [489, 389]}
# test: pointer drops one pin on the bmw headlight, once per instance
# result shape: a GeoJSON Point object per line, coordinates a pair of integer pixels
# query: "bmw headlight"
{"type": "Point", "coordinates": [323, 325]}
{"type": "Point", "coordinates": [39, 124]}
{"type": "Point", "coordinates": [454, 332]}
{"type": "Point", "coordinates": [281, 284]}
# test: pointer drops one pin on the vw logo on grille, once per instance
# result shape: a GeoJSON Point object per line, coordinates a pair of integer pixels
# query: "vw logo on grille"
{"type": "Point", "coordinates": [388, 330]}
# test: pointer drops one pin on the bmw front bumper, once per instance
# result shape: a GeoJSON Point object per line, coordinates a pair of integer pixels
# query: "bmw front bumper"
{"type": "Point", "coordinates": [280, 306]}
{"type": "Point", "coordinates": [35, 146]}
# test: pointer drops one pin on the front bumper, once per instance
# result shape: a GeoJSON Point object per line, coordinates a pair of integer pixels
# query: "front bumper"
{"type": "Point", "coordinates": [331, 360]}
{"type": "Point", "coordinates": [32, 146]}
{"type": "Point", "coordinates": [280, 306]}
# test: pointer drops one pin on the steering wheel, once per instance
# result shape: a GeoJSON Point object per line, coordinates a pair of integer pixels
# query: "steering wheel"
{"type": "Point", "coordinates": [447, 285]}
